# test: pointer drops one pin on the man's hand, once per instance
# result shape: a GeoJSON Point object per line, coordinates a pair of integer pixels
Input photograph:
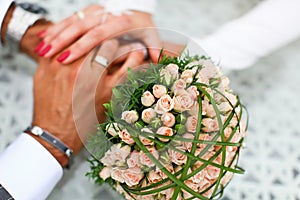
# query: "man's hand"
{"type": "Point", "coordinates": [68, 99]}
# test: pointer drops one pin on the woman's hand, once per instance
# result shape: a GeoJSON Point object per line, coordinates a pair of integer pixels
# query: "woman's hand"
{"type": "Point", "coordinates": [78, 34]}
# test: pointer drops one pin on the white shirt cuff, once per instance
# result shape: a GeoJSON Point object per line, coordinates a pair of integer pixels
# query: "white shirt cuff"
{"type": "Point", "coordinates": [4, 6]}
{"type": "Point", "coordinates": [119, 6]}
{"type": "Point", "coordinates": [27, 170]}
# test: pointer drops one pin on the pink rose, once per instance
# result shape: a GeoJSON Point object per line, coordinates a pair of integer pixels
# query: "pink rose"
{"type": "Point", "coordinates": [183, 102]}
{"type": "Point", "coordinates": [172, 67]}
{"type": "Point", "coordinates": [159, 91]}
{"type": "Point", "coordinates": [193, 91]}
{"type": "Point", "coordinates": [117, 174]}
{"type": "Point", "coordinates": [204, 137]}
{"type": "Point", "coordinates": [225, 82]}
{"type": "Point", "coordinates": [208, 109]}
{"type": "Point", "coordinates": [191, 124]}
{"type": "Point", "coordinates": [202, 79]}
{"type": "Point", "coordinates": [188, 145]}
{"type": "Point", "coordinates": [126, 137]}
{"type": "Point", "coordinates": [210, 125]}
{"type": "Point", "coordinates": [120, 190]}
{"type": "Point", "coordinates": [116, 155]}
{"type": "Point", "coordinates": [148, 114]}
{"type": "Point", "coordinates": [209, 70]}
{"type": "Point", "coordinates": [231, 97]}
{"type": "Point", "coordinates": [130, 116]}
{"type": "Point", "coordinates": [168, 119]}
{"type": "Point", "coordinates": [188, 75]}
{"type": "Point", "coordinates": [212, 172]}
{"type": "Point", "coordinates": [204, 185]}
{"type": "Point", "coordinates": [164, 104]}
{"type": "Point", "coordinates": [228, 176]}
{"type": "Point", "coordinates": [176, 157]}
{"type": "Point", "coordinates": [193, 186]}
{"type": "Point", "coordinates": [169, 167]}
{"type": "Point", "coordinates": [166, 131]}
{"type": "Point", "coordinates": [134, 159]}
{"type": "Point", "coordinates": [227, 132]}
{"type": "Point", "coordinates": [113, 129]}
{"type": "Point", "coordinates": [179, 86]}
{"type": "Point", "coordinates": [144, 160]}
{"type": "Point", "coordinates": [105, 173]}
{"type": "Point", "coordinates": [169, 192]}
{"type": "Point", "coordinates": [199, 177]}
{"type": "Point", "coordinates": [153, 177]}
{"type": "Point", "coordinates": [145, 197]}
{"type": "Point", "coordinates": [144, 140]}
{"type": "Point", "coordinates": [194, 110]}
{"type": "Point", "coordinates": [170, 73]}
{"type": "Point", "coordinates": [133, 176]}
{"type": "Point", "coordinates": [147, 99]}
{"type": "Point", "coordinates": [224, 107]}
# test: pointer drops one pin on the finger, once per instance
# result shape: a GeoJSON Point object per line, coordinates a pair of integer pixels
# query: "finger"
{"type": "Point", "coordinates": [95, 37]}
{"type": "Point", "coordinates": [61, 35]}
{"type": "Point", "coordinates": [134, 60]}
{"type": "Point", "coordinates": [85, 89]}
{"type": "Point", "coordinates": [70, 35]}
{"type": "Point", "coordinates": [106, 53]}
{"type": "Point", "coordinates": [153, 43]}
{"type": "Point", "coordinates": [124, 51]}
{"type": "Point", "coordinates": [56, 29]}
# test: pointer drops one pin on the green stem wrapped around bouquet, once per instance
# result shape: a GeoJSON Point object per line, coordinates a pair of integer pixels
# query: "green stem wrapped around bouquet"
{"type": "Point", "coordinates": [174, 131]}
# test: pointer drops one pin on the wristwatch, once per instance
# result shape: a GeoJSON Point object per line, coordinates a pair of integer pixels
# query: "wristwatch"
{"type": "Point", "coordinates": [24, 16]}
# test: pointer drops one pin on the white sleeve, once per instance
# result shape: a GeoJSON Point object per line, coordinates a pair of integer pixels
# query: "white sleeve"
{"type": "Point", "coordinates": [240, 43]}
{"type": "Point", "coordinates": [4, 6]}
{"type": "Point", "coordinates": [119, 6]}
{"type": "Point", "coordinates": [27, 170]}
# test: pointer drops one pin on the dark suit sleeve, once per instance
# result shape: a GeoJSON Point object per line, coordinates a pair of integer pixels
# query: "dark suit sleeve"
{"type": "Point", "coordinates": [4, 195]}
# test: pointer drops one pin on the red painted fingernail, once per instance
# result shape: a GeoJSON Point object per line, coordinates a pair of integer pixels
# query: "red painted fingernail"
{"type": "Point", "coordinates": [39, 47]}
{"type": "Point", "coordinates": [64, 56]}
{"type": "Point", "coordinates": [45, 50]}
{"type": "Point", "coordinates": [42, 33]}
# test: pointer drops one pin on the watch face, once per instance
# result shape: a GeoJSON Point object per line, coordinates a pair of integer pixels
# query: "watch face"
{"type": "Point", "coordinates": [33, 8]}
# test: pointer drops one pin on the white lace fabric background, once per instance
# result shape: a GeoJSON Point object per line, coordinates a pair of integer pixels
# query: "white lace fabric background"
{"type": "Point", "coordinates": [270, 89]}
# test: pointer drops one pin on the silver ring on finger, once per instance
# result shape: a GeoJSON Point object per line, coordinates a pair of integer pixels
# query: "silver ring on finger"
{"type": "Point", "coordinates": [101, 60]}
{"type": "Point", "coordinates": [80, 15]}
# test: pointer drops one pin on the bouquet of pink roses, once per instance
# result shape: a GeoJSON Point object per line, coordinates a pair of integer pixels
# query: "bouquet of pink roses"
{"type": "Point", "coordinates": [173, 131]}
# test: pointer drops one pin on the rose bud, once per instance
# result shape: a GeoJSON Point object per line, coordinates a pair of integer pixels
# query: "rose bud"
{"type": "Point", "coordinates": [170, 73]}
{"type": "Point", "coordinates": [166, 131]}
{"type": "Point", "coordinates": [147, 99]}
{"type": "Point", "coordinates": [188, 75]}
{"type": "Point", "coordinates": [126, 137]}
{"type": "Point", "coordinates": [193, 91]}
{"type": "Point", "coordinates": [113, 129]}
{"type": "Point", "coordinates": [191, 124]}
{"type": "Point", "coordinates": [164, 104]}
{"type": "Point", "coordinates": [168, 119]}
{"type": "Point", "coordinates": [179, 86]}
{"type": "Point", "coordinates": [130, 116]}
{"type": "Point", "coordinates": [105, 173]}
{"type": "Point", "coordinates": [183, 102]}
{"type": "Point", "coordinates": [159, 91]}
{"type": "Point", "coordinates": [148, 114]}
